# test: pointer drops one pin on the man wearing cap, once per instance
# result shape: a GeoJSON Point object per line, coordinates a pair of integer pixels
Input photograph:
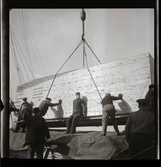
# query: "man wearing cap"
{"type": "Point", "coordinates": [37, 132]}
{"type": "Point", "coordinates": [109, 111]}
{"type": "Point", "coordinates": [139, 131]}
{"type": "Point", "coordinates": [13, 108]}
{"type": "Point", "coordinates": [78, 112]}
{"type": "Point", "coordinates": [44, 105]}
{"type": "Point", "coordinates": [25, 112]}
{"type": "Point", "coordinates": [150, 96]}
{"type": "Point", "coordinates": [25, 109]}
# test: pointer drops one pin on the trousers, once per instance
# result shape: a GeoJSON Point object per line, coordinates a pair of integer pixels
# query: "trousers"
{"type": "Point", "coordinates": [138, 142]}
{"type": "Point", "coordinates": [72, 123]}
{"type": "Point", "coordinates": [108, 112]}
{"type": "Point", "coordinates": [38, 147]}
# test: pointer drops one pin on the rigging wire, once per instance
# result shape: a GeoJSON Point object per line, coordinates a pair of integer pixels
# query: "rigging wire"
{"type": "Point", "coordinates": [35, 44]}
{"type": "Point", "coordinates": [22, 53]}
{"type": "Point", "coordinates": [16, 61]}
{"type": "Point", "coordinates": [21, 79]}
{"type": "Point", "coordinates": [63, 66]}
{"type": "Point", "coordinates": [83, 17]}
{"type": "Point", "coordinates": [20, 58]}
{"type": "Point", "coordinates": [25, 37]}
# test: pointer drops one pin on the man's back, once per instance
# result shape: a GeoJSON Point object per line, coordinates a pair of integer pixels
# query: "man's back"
{"type": "Point", "coordinates": [142, 122]}
{"type": "Point", "coordinates": [37, 129]}
{"type": "Point", "coordinates": [109, 100]}
{"type": "Point", "coordinates": [43, 105]}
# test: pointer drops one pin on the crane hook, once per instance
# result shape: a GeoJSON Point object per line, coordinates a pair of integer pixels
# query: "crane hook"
{"type": "Point", "coordinates": [83, 15]}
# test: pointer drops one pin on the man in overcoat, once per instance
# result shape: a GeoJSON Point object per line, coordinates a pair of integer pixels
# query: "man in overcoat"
{"type": "Point", "coordinates": [139, 132]}
{"type": "Point", "coordinates": [37, 133]}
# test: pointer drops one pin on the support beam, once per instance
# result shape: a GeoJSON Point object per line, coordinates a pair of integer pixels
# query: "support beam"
{"type": "Point", "coordinates": [4, 80]}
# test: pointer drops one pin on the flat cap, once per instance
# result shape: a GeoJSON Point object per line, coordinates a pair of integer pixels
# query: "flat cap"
{"type": "Point", "coordinates": [107, 94]}
{"type": "Point", "coordinates": [24, 98]}
{"type": "Point", "coordinates": [151, 86]}
{"type": "Point", "coordinates": [36, 110]}
{"type": "Point", "coordinates": [47, 98]}
{"type": "Point", "coordinates": [142, 101]}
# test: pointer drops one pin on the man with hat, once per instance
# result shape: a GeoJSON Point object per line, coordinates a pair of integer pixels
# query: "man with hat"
{"type": "Point", "coordinates": [150, 96]}
{"type": "Point", "coordinates": [78, 111]}
{"type": "Point", "coordinates": [37, 133]}
{"type": "Point", "coordinates": [139, 131]}
{"type": "Point", "coordinates": [25, 112]}
{"type": "Point", "coordinates": [13, 108]}
{"type": "Point", "coordinates": [45, 104]}
{"type": "Point", "coordinates": [25, 109]}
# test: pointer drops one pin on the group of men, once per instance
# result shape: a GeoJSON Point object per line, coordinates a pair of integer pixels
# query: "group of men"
{"type": "Point", "coordinates": [138, 129]}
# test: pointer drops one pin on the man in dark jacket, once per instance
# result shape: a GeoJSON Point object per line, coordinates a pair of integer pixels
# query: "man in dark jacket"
{"type": "Point", "coordinates": [25, 112]}
{"type": "Point", "coordinates": [139, 130]}
{"type": "Point", "coordinates": [37, 131]}
{"type": "Point", "coordinates": [78, 111]}
{"type": "Point", "coordinates": [150, 96]}
{"type": "Point", "coordinates": [109, 111]}
{"type": "Point", "coordinates": [45, 104]}
{"type": "Point", "coordinates": [25, 109]}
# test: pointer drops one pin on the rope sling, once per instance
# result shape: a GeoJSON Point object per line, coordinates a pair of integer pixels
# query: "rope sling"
{"type": "Point", "coordinates": [83, 17]}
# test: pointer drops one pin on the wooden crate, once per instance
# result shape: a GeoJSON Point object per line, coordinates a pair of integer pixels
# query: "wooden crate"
{"type": "Point", "coordinates": [130, 76]}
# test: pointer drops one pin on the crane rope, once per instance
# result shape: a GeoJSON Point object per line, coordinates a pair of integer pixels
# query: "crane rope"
{"type": "Point", "coordinates": [63, 66]}
{"type": "Point", "coordinates": [90, 72]}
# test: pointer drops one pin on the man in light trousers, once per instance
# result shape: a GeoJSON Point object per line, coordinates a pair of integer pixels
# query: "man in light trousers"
{"type": "Point", "coordinates": [109, 111]}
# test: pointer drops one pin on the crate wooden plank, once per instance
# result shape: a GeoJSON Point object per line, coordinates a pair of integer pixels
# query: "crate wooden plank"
{"type": "Point", "coordinates": [130, 76]}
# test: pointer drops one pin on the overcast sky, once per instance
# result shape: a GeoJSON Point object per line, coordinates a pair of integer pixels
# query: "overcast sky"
{"type": "Point", "coordinates": [52, 35]}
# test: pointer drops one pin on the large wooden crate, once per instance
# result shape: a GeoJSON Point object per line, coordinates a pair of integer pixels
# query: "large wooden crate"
{"type": "Point", "coordinates": [130, 76]}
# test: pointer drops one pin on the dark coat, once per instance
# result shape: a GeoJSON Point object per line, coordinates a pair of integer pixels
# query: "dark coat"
{"type": "Point", "coordinates": [150, 96]}
{"type": "Point", "coordinates": [140, 121]}
{"type": "Point", "coordinates": [37, 130]}
{"type": "Point", "coordinates": [25, 110]}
